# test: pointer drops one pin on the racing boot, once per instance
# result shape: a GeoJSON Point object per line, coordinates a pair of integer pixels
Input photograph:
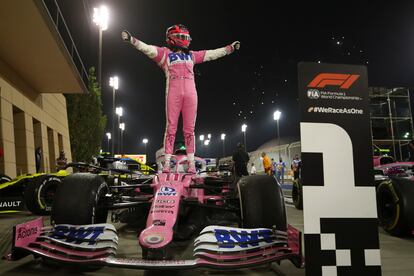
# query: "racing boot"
{"type": "Point", "coordinates": [191, 163]}
{"type": "Point", "coordinates": [167, 165]}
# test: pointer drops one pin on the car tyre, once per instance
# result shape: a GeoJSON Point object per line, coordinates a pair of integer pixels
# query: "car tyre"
{"type": "Point", "coordinates": [262, 203]}
{"type": "Point", "coordinates": [79, 200]}
{"type": "Point", "coordinates": [297, 194]}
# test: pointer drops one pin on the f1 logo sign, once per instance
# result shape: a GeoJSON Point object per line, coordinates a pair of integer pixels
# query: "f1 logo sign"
{"type": "Point", "coordinates": [344, 81]}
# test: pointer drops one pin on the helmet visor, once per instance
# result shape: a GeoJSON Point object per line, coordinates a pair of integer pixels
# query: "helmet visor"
{"type": "Point", "coordinates": [182, 36]}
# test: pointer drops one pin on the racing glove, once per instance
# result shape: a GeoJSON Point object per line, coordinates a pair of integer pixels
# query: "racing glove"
{"type": "Point", "coordinates": [236, 45]}
{"type": "Point", "coordinates": [126, 36]}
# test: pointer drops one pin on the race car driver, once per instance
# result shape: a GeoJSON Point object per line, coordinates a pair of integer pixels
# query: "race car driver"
{"type": "Point", "coordinates": [178, 61]}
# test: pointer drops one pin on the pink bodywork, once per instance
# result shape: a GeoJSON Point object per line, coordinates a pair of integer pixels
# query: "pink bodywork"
{"type": "Point", "coordinates": [169, 189]}
{"type": "Point", "coordinates": [27, 233]}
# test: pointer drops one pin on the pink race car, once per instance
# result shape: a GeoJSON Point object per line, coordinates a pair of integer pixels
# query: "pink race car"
{"type": "Point", "coordinates": [394, 182]}
{"type": "Point", "coordinates": [176, 205]}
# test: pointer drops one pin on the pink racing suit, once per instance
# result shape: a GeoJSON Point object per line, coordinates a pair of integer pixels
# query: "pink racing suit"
{"type": "Point", "coordinates": [180, 94]}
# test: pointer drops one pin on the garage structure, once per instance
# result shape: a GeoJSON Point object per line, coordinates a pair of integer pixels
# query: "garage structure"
{"type": "Point", "coordinates": [38, 63]}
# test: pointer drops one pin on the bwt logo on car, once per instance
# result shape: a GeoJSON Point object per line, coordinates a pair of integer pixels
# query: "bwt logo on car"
{"type": "Point", "coordinates": [167, 191]}
{"type": "Point", "coordinates": [244, 239]}
{"type": "Point", "coordinates": [26, 232]}
{"type": "Point", "coordinates": [77, 235]}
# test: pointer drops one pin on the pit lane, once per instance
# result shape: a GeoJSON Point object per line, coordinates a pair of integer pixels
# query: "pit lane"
{"type": "Point", "coordinates": [397, 254]}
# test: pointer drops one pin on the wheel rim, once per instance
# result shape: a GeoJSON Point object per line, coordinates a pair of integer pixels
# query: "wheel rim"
{"type": "Point", "coordinates": [47, 193]}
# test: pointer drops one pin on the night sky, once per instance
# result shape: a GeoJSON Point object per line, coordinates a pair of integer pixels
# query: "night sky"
{"type": "Point", "coordinates": [248, 86]}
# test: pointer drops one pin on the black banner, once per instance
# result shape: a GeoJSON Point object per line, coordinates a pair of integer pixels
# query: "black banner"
{"type": "Point", "coordinates": [340, 217]}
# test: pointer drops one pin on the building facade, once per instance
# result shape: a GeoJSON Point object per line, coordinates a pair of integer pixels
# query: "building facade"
{"type": "Point", "coordinates": [38, 63]}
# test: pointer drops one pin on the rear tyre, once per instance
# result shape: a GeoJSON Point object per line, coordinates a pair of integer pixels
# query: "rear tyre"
{"type": "Point", "coordinates": [396, 206]}
{"type": "Point", "coordinates": [262, 203]}
{"type": "Point", "coordinates": [297, 197]}
{"type": "Point", "coordinates": [39, 194]}
{"type": "Point", "coordinates": [79, 200]}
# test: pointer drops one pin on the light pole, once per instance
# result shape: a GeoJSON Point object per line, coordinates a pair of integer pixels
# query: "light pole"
{"type": "Point", "coordinates": [244, 127]}
{"type": "Point", "coordinates": [223, 137]}
{"type": "Point", "coordinates": [100, 17]}
{"type": "Point", "coordinates": [114, 83]}
{"type": "Point", "coordinates": [122, 128]}
{"type": "Point", "coordinates": [202, 142]}
{"type": "Point", "coordinates": [276, 116]}
{"type": "Point", "coordinates": [119, 111]}
{"type": "Point", "coordinates": [145, 141]}
{"type": "Point", "coordinates": [206, 143]}
{"type": "Point", "coordinates": [108, 135]}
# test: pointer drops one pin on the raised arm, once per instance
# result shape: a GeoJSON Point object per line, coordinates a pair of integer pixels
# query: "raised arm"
{"type": "Point", "coordinates": [153, 52]}
{"type": "Point", "coordinates": [207, 55]}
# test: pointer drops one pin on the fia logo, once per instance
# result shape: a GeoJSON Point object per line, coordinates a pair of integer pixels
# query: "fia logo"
{"type": "Point", "coordinates": [314, 94]}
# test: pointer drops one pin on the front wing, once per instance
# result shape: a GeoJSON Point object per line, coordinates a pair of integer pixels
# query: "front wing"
{"type": "Point", "coordinates": [216, 247]}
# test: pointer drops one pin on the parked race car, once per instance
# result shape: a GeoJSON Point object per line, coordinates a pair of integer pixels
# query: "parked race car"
{"type": "Point", "coordinates": [394, 183]}
{"type": "Point", "coordinates": [33, 192]}
{"type": "Point", "coordinates": [236, 226]}
{"type": "Point", "coordinates": [395, 197]}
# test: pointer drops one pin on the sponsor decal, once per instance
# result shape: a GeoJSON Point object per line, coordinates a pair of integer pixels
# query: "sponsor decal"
{"type": "Point", "coordinates": [11, 204]}
{"type": "Point", "coordinates": [315, 94]}
{"type": "Point", "coordinates": [151, 262]}
{"type": "Point", "coordinates": [332, 110]}
{"type": "Point", "coordinates": [162, 211]}
{"type": "Point", "coordinates": [159, 222]}
{"type": "Point", "coordinates": [243, 239]}
{"type": "Point", "coordinates": [167, 191]}
{"type": "Point", "coordinates": [24, 232]}
{"type": "Point", "coordinates": [163, 206]}
{"type": "Point", "coordinates": [167, 201]}
{"type": "Point", "coordinates": [180, 57]}
{"type": "Point", "coordinates": [77, 235]}
{"type": "Point", "coordinates": [344, 81]}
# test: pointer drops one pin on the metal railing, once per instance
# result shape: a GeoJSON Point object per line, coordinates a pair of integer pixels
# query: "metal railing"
{"type": "Point", "coordinates": [52, 8]}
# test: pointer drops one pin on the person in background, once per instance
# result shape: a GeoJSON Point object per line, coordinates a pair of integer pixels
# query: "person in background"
{"type": "Point", "coordinates": [240, 159]}
{"type": "Point", "coordinates": [253, 169]}
{"type": "Point", "coordinates": [411, 150]}
{"type": "Point", "coordinates": [38, 158]}
{"type": "Point", "coordinates": [61, 161]}
{"type": "Point", "coordinates": [296, 167]}
{"type": "Point", "coordinates": [280, 171]}
{"type": "Point", "coordinates": [267, 164]}
{"type": "Point", "coordinates": [273, 167]}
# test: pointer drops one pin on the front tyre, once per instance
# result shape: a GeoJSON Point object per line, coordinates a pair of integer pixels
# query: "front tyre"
{"type": "Point", "coordinates": [79, 200]}
{"type": "Point", "coordinates": [262, 203]}
{"type": "Point", "coordinates": [297, 194]}
{"type": "Point", "coordinates": [395, 200]}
